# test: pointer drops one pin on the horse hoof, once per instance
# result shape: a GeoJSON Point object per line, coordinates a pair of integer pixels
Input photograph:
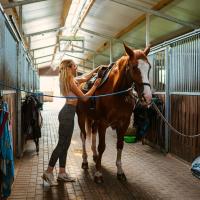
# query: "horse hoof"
{"type": "Point", "coordinates": [84, 165]}
{"type": "Point", "coordinates": [98, 179]}
{"type": "Point", "coordinates": [95, 158]}
{"type": "Point", "coordinates": [121, 177]}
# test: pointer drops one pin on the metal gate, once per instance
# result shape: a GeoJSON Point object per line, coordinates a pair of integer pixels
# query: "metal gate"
{"type": "Point", "coordinates": [16, 73]}
{"type": "Point", "coordinates": [175, 78]}
{"type": "Point", "coordinates": [156, 133]}
{"type": "Point", "coordinates": [185, 96]}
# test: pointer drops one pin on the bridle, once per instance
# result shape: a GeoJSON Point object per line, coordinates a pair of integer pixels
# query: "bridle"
{"type": "Point", "coordinates": [141, 98]}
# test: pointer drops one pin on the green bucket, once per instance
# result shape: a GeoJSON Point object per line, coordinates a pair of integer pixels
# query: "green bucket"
{"type": "Point", "coordinates": [130, 138]}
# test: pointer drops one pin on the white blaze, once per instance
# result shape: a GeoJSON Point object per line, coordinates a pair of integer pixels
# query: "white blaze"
{"type": "Point", "coordinates": [144, 69]}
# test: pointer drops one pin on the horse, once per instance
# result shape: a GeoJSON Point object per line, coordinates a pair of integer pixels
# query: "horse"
{"type": "Point", "coordinates": [115, 110]}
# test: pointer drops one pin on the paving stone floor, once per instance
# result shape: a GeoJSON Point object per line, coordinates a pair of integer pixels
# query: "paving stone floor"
{"type": "Point", "coordinates": [150, 174]}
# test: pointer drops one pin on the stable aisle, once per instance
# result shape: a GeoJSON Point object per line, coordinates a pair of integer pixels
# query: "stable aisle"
{"type": "Point", "coordinates": [150, 174]}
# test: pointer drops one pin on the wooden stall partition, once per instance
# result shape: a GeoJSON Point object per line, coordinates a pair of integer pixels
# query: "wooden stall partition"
{"type": "Point", "coordinates": [185, 117]}
{"type": "Point", "coordinates": [156, 133]}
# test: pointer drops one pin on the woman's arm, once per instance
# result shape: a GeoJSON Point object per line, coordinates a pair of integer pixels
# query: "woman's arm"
{"type": "Point", "coordinates": [86, 77]}
{"type": "Point", "coordinates": [77, 91]}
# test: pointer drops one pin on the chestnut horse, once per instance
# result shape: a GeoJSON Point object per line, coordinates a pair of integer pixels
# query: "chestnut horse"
{"type": "Point", "coordinates": [116, 110]}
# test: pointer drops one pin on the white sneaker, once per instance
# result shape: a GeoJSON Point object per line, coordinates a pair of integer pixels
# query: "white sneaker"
{"type": "Point", "coordinates": [48, 177]}
{"type": "Point", "coordinates": [65, 178]}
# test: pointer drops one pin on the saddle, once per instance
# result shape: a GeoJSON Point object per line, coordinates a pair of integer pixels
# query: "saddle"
{"type": "Point", "coordinates": [102, 73]}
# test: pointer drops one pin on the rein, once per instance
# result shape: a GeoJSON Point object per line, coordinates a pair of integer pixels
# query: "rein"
{"type": "Point", "coordinates": [169, 125]}
{"type": "Point", "coordinates": [37, 94]}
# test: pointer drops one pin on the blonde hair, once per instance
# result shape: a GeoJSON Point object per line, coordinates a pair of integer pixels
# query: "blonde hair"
{"type": "Point", "coordinates": [65, 76]}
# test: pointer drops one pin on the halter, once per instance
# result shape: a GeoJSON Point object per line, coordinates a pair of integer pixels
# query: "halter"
{"type": "Point", "coordinates": [147, 84]}
{"type": "Point", "coordinates": [142, 98]}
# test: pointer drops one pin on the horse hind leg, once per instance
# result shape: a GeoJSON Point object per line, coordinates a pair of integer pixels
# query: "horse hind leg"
{"type": "Point", "coordinates": [98, 178]}
{"type": "Point", "coordinates": [120, 145]}
{"type": "Point", "coordinates": [93, 146]}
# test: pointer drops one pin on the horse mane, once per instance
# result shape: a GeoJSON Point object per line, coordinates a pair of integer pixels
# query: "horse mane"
{"type": "Point", "coordinates": [120, 78]}
{"type": "Point", "coordinates": [122, 61]}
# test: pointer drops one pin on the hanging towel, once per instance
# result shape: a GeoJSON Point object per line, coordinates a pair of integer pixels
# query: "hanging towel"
{"type": "Point", "coordinates": [6, 153]}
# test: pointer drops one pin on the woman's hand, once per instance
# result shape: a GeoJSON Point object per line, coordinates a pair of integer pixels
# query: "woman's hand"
{"type": "Point", "coordinates": [96, 69]}
{"type": "Point", "coordinates": [97, 82]}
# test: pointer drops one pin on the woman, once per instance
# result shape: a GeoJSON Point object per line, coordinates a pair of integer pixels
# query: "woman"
{"type": "Point", "coordinates": [69, 86]}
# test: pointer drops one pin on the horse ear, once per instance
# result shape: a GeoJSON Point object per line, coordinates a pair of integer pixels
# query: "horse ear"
{"type": "Point", "coordinates": [128, 51]}
{"type": "Point", "coordinates": [147, 50]}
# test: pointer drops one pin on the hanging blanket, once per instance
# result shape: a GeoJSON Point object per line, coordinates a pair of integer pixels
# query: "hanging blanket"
{"type": "Point", "coordinates": [6, 153]}
{"type": "Point", "coordinates": [31, 118]}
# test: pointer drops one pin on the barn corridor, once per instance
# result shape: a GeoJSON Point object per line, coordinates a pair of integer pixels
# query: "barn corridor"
{"type": "Point", "coordinates": [150, 174]}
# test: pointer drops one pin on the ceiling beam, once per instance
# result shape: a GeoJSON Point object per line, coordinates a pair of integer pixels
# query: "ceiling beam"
{"type": "Point", "coordinates": [90, 50]}
{"type": "Point", "coordinates": [156, 13]}
{"type": "Point", "coordinates": [135, 23]}
{"type": "Point", "coordinates": [43, 56]}
{"type": "Point", "coordinates": [161, 4]}
{"type": "Point", "coordinates": [43, 62]}
{"type": "Point", "coordinates": [63, 17]}
{"type": "Point", "coordinates": [66, 7]}
{"type": "Point", "coordinates": [78, 58]}
{"type": "Point", "coordinates": [42, 32]}
{"type": "Point", "coordinates": [83, 16]}
{"type": "Point", "coordinates": [44, 47]}
{"type": "Point", "coordinates": [19, 3]}
{"type": "Point", "coordinates": [106, 36]}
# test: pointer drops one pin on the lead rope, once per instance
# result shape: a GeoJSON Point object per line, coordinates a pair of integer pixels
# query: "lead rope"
{"type": "Point", "coordinates": [170, 126]}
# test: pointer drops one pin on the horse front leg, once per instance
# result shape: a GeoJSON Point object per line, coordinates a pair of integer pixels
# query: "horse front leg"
{"type": "Point", "coordinates": [98, 178]}
{"type": "Point", "coordinates": [84, 152]}
{"type": "Point", "coordinates": [81, 122]}
{"type": "Point", "coordinates": [120, 145]}
{"type": "Point", "coordinates": [93, 146]}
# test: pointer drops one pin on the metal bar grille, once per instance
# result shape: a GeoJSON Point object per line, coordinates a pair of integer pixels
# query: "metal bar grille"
{"type": "Point", "coordinates": [184, 66]}
{"type": "Point", "coordinates": [159, 71]}
{"type": "Point", "coordinates": [185, 72]}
